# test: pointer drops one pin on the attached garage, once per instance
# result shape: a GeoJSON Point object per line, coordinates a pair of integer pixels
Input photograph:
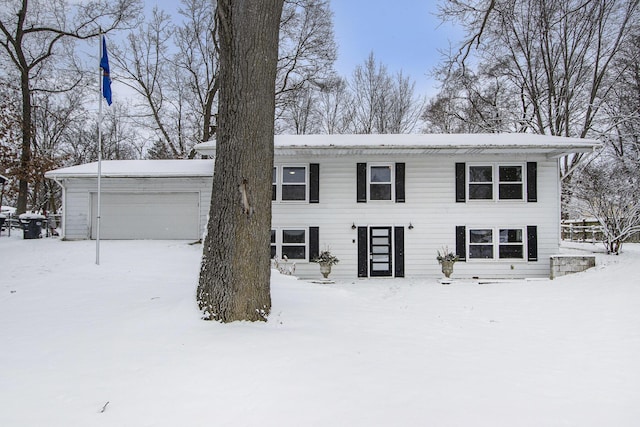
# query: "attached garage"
{"type": "Point", "coordinates": [140, 199]}
{"type": "Point", "coordinates": [147, 215]}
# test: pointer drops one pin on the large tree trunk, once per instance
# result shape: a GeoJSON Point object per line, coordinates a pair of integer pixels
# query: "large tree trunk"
{"type": "Point", "coordinates": [235, 273]}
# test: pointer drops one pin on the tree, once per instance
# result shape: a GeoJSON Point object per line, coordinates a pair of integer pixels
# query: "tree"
{"type": "Point", "coordinates": [33, 34]}
{"type": "Point", "coordinates": [235, 273]}
{"type": "Point", "coordinates": [382, 103]}
{"type": "Point", "coordinates": [608, 191]}
{"type": "Point", "coordinates": [554, 57]}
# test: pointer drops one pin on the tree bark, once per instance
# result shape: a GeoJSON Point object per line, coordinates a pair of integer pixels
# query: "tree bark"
{"type": "Point", "coordinates": [235, 272]}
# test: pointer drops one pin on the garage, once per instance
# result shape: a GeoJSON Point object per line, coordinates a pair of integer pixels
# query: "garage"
{"type": "Point", "coordinates": [140, 199]}
{"type": "Point", "coordinates": [164, 215]}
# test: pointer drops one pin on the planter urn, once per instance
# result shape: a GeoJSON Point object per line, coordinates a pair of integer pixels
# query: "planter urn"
{"type": "Point", "coordinates": [447, 268]}
{"type": "Point", "coordinates": [325, 269]}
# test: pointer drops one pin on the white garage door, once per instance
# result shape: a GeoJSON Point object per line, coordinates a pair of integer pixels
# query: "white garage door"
{"type": "Point", "coordinates": [147, 215]}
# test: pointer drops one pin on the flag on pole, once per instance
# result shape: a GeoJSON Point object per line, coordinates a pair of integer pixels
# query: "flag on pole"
{"type": "Point", "coordinates": [106, 79]}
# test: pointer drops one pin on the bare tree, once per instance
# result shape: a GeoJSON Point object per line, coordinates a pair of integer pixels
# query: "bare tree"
{"type": "Point", "coordinates": [307, 49]}
{"type": "Point", "coordinates": [382, 103]}
{"type": "Point", "coordinates": [161, 86]}
{"type": "Point", "coordinates": [335, 107]}
{"type": "Point", "coordinates": [555, 57]}
{"type": "Point", "coordinates": [608, 191]}
{"type": "Point", "coordinates": [33, 34]}
{"type": "Point", "coordinates": [235, 272]}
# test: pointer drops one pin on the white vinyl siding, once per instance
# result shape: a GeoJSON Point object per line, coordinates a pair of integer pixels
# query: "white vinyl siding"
{"type": "Point", "coordinates": [430, 207]}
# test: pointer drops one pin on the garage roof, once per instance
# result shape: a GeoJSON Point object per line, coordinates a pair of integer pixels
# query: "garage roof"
{"type": "Point", "coordinates": [137, 168]}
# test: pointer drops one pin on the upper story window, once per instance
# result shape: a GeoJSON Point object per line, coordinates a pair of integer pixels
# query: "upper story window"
{"type": "Point", "coordinates": [296, 183]}
{"type": "Point", "coordinates": [289, 183]}
{"type": "Point", "coordinates": [496, 182]}
{"type": "Point", "coordinates": [380, 182]}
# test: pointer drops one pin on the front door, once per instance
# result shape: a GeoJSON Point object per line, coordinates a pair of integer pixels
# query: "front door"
{"type": "Point", "coordinates": [380, 254]}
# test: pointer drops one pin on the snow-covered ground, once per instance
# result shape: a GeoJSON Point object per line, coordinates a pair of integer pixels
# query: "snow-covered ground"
{"type": "Point", "coordinates": [121, 344]}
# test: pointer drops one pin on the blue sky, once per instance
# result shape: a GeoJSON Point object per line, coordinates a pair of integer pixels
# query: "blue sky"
{"type": "Point", "coordinates": [404, 35]}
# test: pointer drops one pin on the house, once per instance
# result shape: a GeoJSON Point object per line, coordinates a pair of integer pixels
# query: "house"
{"type": "Point", "coordinates": [383, 204]}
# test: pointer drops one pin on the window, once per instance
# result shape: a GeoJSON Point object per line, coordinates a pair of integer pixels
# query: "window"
{"type": "Point", "coordinates": [480, 182]}
{"type": "Point", "coordinates": [509, 245]}
{"type": "Point", "coordinates": [273, 244]}
{"type": "Point", "coordinates": [380, 182]}
{"type": "Point", "coordinates": [481, 243]}
{"type": "Point", "coordinates": [509, 179]}
{"type": "Point", "coordinates": [274, 186]}
{"type": "Point", "coordinates": [294, 183]}
{"type": "Point", "coordinates": [510, 182]}
{"type": "Point", "coordinates": [289, 243]}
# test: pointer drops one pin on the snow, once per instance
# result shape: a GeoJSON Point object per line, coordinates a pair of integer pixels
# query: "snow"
{"type": "Point", "coordinates": [137, 168]}
{"type": "Point", "coordinates": [75, 336]}
{"type": "Point", "coordinates": [456, 141]}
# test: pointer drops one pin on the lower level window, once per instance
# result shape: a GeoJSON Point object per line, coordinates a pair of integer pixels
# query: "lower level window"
{"type": "Point", "coordinates": [503, 243]}
{"type": "Point", "coordinates": [289, 244]}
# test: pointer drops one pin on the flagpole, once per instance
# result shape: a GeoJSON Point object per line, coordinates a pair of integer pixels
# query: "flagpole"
{"type": "Point", "coordinates": [100, 82]}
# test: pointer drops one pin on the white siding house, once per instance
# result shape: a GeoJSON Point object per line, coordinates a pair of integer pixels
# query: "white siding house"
{"type": "Point", "coordinates": [383, 204]}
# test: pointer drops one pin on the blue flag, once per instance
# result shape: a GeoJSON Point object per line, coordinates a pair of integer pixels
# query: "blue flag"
{"type": "Point", "coordinates": [106, 79]}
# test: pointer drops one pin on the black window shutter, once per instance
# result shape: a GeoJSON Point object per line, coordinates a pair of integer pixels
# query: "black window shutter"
{"type": "Point", "coordinates": [532, 182]}
{"type": "Point", "coordinates": [399, 182]}
{"type": "Point", "coordinates": [363, 252]}
{"type": "Point", "coordinates": [362, 182]}
{"type": "Point", "coordinates": [398, 235]}
{"type": "Point", "coordinates": [461, 242]}
{"type": "Point", "coordinates": [532, 242]}
{"type": "Point", "coordinates": [314, 183]}
{"type": "Point", "coordinates": [461, 193]}
{"type": "Point", "coordinates": [314, 242]}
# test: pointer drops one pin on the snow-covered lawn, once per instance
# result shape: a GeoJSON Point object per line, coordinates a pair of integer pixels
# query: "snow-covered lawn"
{"type": "Point", "coordinates": [125, 336]}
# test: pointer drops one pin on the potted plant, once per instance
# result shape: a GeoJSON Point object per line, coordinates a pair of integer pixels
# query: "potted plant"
{"type": "Point", "coordinates": [446, 258]}
{"type": "Point", "coordinates": [326, 259]}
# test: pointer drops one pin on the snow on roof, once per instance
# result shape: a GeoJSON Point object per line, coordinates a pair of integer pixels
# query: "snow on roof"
{"type": "Point", "coordinates": [137, 168]}
{"type": "Point", "coordinates": [431, 142]}
{"type": "Point", "coordinates": [288, 145]}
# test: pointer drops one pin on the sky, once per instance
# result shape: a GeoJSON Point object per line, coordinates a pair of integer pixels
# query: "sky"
{"type": "Point", "coordinates": [406, 36]}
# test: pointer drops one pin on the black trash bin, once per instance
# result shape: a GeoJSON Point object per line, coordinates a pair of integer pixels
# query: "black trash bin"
{"type": "Point", "coordinates": [2, 218]}
{"type": "Point", "coordinates": [32, 225]}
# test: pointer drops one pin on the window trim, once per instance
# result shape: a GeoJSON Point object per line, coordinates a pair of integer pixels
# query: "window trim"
{"type": "Point", "coordinates": [279, 242]}
{"type": "Point", "coordinates": [495, 233]}
{"type": "Point", "coordinates": [392, 183]}
{"type": "Point", "coordinates": [280, 182]}
{"type": "Point", "coordinates": [495, 183]}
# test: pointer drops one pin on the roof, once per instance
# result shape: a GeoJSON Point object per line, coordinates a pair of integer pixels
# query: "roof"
{"type": "Point", "coordinates": [137, 168]}
{"type": "Point", "coordinates": [552, 146]}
